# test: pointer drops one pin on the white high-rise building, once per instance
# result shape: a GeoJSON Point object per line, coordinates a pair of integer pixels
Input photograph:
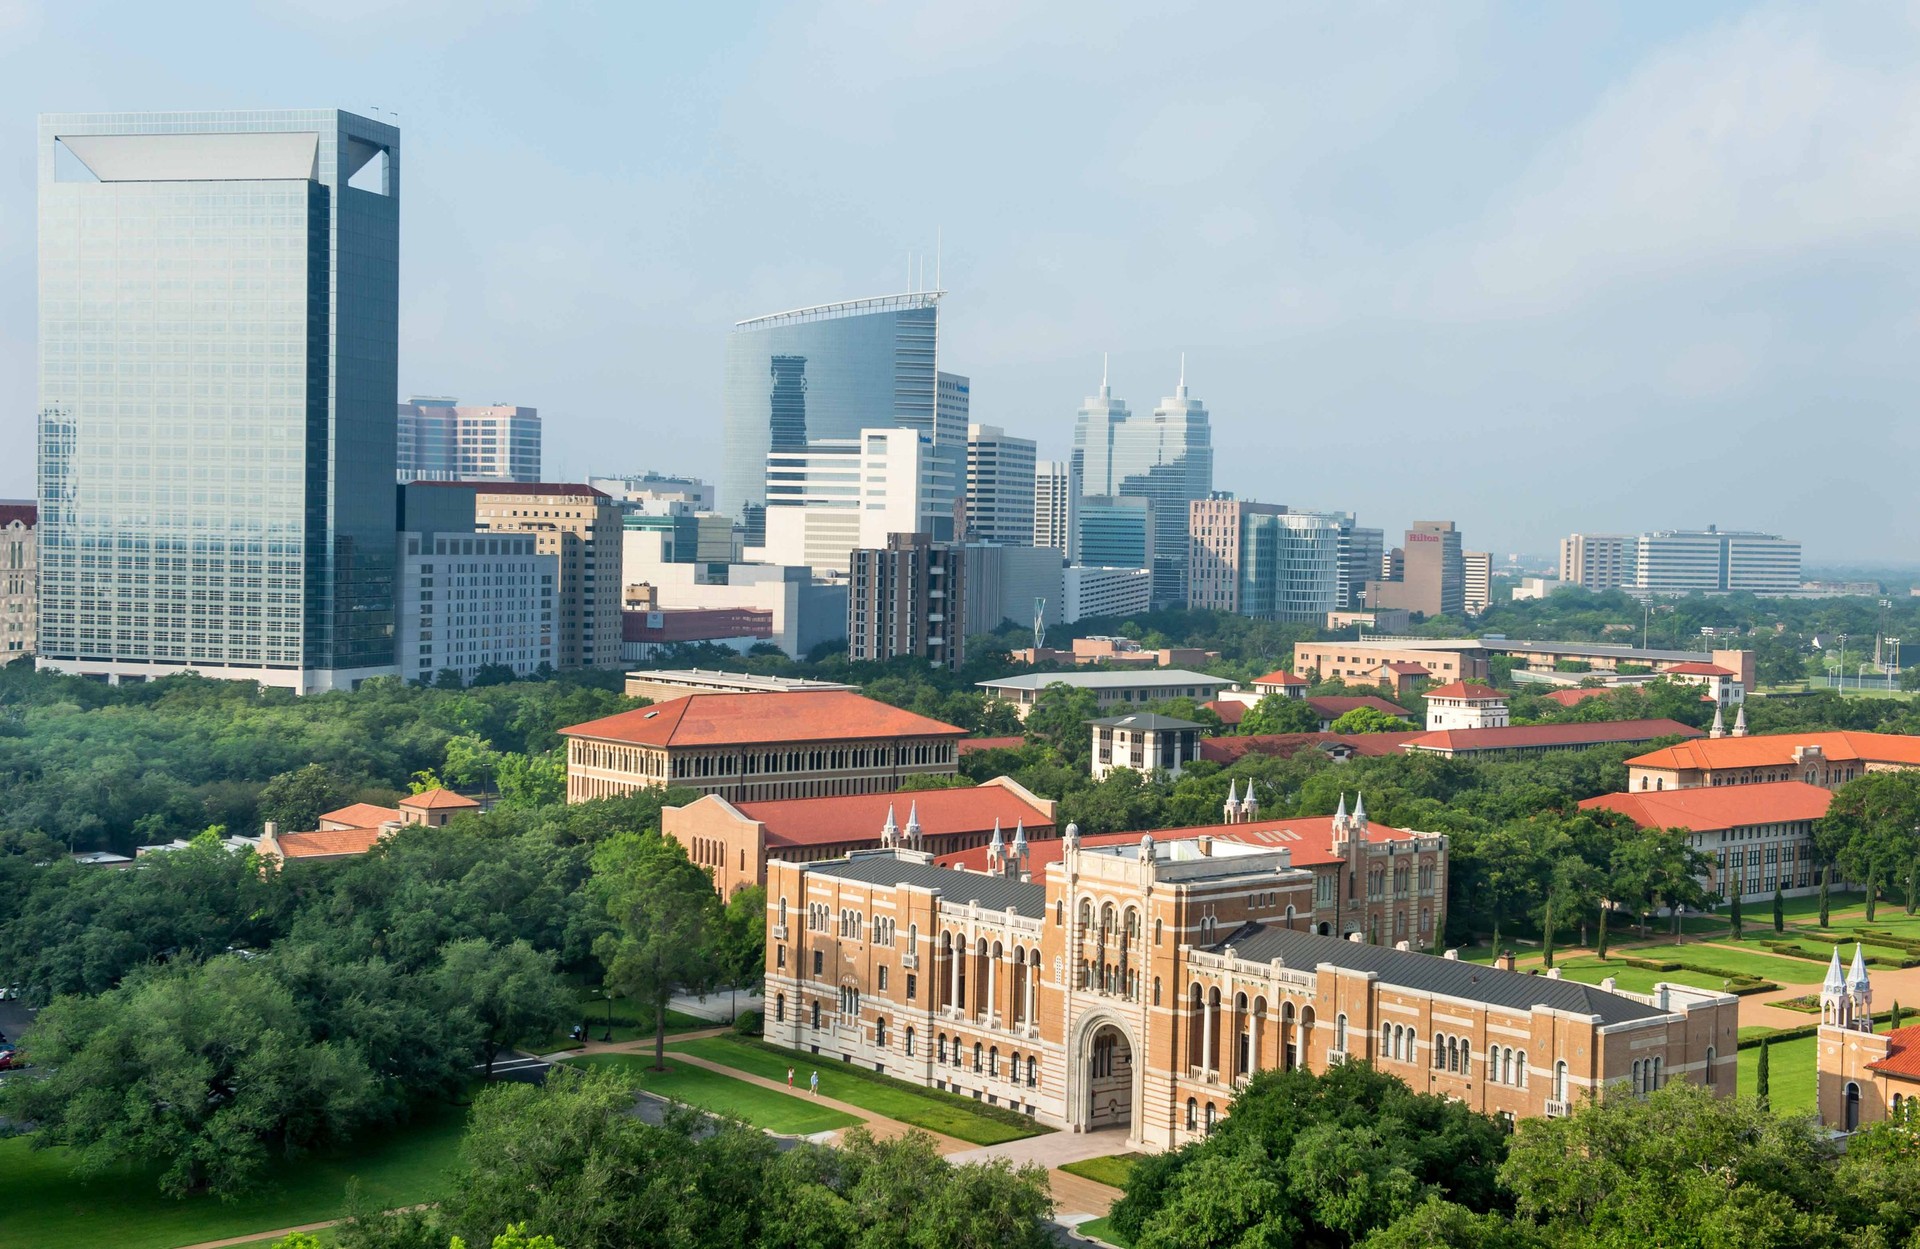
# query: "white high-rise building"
{"type": "Point", "coordinates": [1000, 486]}
{"type": "Point", "coordinates": [441, 439]}
{"type": "Point", "coordinates": [1598, 561]}
{"type": "Point", "coordinates": [828, 498]}
{"type": "Point", "coordinates": [1476, 593]}
{"type": "Point", "coordinates": [1681, 561]}
{"type": "Point", "coordinates": [473, 600]}
{"type": "Point", "coordinates": [1055, 503]}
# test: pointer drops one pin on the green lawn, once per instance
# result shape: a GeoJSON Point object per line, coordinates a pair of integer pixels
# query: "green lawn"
{"type": "Point", "coordinates": [630, 1022]}
{"type": "Point", "coordinates": [1730, 962]}
{"type": "Point", "coordinates": [709, 1090]}
{"type": "Point", "coordinates": [1790, 1074]}
{"type": "Point", "coordinates": [1749, 1031]}
{"type": "Point", "coordinates": [1112, 1170]}
{"type": "Point", "coordinates": [1633, 979]}
{"type": "Point", "coordinates": [1816, 947]}
{"type": "Point", "coordinates": [1890, 918]}
{"type": "Point", "coordinates": [1101, 1229]}
{"type": "Point", "coordinates": [1809, 905]}
{"type": "Point", "coordinates": [44, 1206]}
{"type": "Point", "coordinates": [931, 1109]}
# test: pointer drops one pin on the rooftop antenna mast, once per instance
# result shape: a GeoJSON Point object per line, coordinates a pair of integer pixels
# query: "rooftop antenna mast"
{"type": "Point", "coordinates": [938, 241]}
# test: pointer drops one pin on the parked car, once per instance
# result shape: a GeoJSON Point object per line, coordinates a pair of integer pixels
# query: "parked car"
{"type": "Point", "coordinates": [9, 992]}
{"type": "Point", "coordinates": [11, 1061]}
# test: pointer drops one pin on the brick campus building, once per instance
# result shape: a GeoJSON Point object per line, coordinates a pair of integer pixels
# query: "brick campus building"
{"type": "Point", "coordinates": [758, 747]}
{"type": "Point", "coordinates": [1136, 985]}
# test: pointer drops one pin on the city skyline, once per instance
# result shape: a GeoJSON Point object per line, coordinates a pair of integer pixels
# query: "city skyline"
{"type": "Point", "coordinates": [1376, 240]}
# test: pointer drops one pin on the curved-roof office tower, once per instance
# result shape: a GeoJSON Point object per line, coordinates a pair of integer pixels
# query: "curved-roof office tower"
{"type": "Point", "coordinates": [219, 298]}
{"type": "Point", "coordinates": [826, 373]}
{"type": "Point", "coordinates": [1165, 457]}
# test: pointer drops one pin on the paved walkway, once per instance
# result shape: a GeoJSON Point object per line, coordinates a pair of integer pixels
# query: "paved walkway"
{"type": "Point", "coordinates": [721, 1007]}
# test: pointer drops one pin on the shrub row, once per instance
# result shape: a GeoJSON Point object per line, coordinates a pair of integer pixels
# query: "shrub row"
{"type": "Point", "coordinates": [1736, 985]}
{"type": "Point", "coordinates": [1784, 1034]}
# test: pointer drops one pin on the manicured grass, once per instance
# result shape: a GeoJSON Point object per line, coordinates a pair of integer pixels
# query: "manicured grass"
{"type": "Point", "coordinates": [1732, 962]}
{"type": "Point", "coordinates": [43, 1205]}
{"type": "Point", "coordinates": [1890, 918]}
{"type": "Point", "coordinates": [1633, 979]}
{"type": "Point", "coordinates": [709, 1090]}
{"type": "Point", "coordinates": [932, 1109]}
{"type": "Point", "coordinates": [1790, 1075]}
{"type": "Point", "coordinates": [1815, 947]}
{"type": "Point", "coordinates": [630, 1023]}
{"type": "Point", "coordinates": [1808, 905]}
{"type": "Point", "coordinates": [1102, 1229]}
{"type": "Point", "coordinates": [1112, 1170]}
{"type": "Point", "coordinates": [1750, 1031]}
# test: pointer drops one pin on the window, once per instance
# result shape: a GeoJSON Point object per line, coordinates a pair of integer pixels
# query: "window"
{"type": "Point", "coordinates": [1710, 1080]}
{"type": "Point", "coordinates": [883, 979]}
{"type": "Point", "coordinates": [1156, 990]}
{"type": "Point", "coordinates": [816, 1016]}
{"type": "Point", "coordinates": [1560, 1078]}
{"type": "Point", "coordinates": [880, 1033]}
{"type": "Point", "coordinates": [909, 1041]}
{"type": "Point", "coordinates": [1210, 1118]}
{"type": "Point", "coordinates": [1033, 1072]}
{"type": "Point", "coordinates": [941, 1051]}
{"type": "Point", "coordinates": [780, 956]}
{"type": "Point", "coordinates": [913, 986]}
{"type": "Point", "coordinates": [977, 1049]}
{"type": "Point", "coordinates": [1339, 1024]}
{"type": "Point", "coordinates": [819, 962]}
{"type": "Point", "coordinates": [780, 1008]}
{"type": "Point", "coordinates": [1156, 932]}
{"type": "Point", "coordinates": [1193, 1115]}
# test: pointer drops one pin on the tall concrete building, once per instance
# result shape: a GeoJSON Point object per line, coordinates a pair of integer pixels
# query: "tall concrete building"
{"type": "Point", "coordinates": [580, 527]}
{"type": "Point", "coordinates": [19, 579]}
{"type": "Point", "coordinates": [440, 439]}
{"type": "Point", "coordinates": [1361, 551]}
{"type": "Point", "coordinates": [1114, 532]}
{"type": "Point", "coordinates": [218, 306]}
{"type": "Point", "coordinates": [1476, 593]}
{"type": "Point", "coordinates": [830, 496]}
{"type": "Point", "coordinates": [1598, 561]}
{"type": "Point", "coordinates": [1055, 503]}
{"type": "Point", "coordinates": [1263, 560]}
{"type": "Point", "coordinates": [1681, 561]}
{"type": "Point", "coordinates": [470, 600]}
{"type": "Point", "coordinates": [1000, 486]}
{"type": "Point", "coordinates": [1432, 573]}
{"type": "Point", "coordinates": [828, 372]}
{"type": "Point", "coordinates": [908, 598]}
{"type": "Point", "coordinates": [1165, 458]}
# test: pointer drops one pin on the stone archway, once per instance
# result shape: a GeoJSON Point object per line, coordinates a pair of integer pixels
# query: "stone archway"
{"type": "Point", "coordinates": [1107, 1063]}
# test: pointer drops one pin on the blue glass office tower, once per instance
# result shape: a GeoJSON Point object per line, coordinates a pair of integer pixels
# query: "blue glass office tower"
{"type": "Point", "coordinates": [826, 373]}
{"type": "Point", "coordinates": [218, 343]}
{"type": "Point", "coordinates": [1165, 458]}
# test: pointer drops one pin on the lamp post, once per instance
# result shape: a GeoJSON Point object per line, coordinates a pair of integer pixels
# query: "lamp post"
{"type": "Point", "coordinates": [1843, 662]}
{"type": "Point", "coordinates": [608, 994]}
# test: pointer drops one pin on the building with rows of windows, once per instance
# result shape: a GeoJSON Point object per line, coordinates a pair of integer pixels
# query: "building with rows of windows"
{"type": "Point", "coordinates": [1136, 985]}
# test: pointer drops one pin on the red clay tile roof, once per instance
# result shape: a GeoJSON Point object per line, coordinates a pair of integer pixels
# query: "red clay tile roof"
{"type": "Point", "coordinates": [1776, 750]}
{"type": "Point", "coordinates": [1287, 745]}
{"type": "Point", "coordinates": [1710, 808]}
{"type": "Point", "coordinates": [1567, 698]}
{"type": "Point", "coordinates": [753, 719]}
{"type": "Point", "coordinates": [1308, 839]}
{"type": "Point", "coordinates": [328, 843]}
{"type": "Point", "coordinates": [361, 815]}
{"type": "Point", "coordinates": [1531, 736]}
{"type": "Point", "coordinates": [26, 513]}
{"type": "Point", "coordinates": [970, 744]}
{"type": "Point", "coordinates": [1697, 670]}
{"type": "Point", "coordinates": [1903, 1054]}
{"type": "Point", "coordinates": [1333, 706]}
{"type": "Point", "coordinates": [439, 799]}
{"type": "Point", "coordinates": [1230, 711]}
{"type": "Point", "coordinates": [858, 817]}
{"type": "Point", "coordinates": [1280, 676]}
{"type": "Point", "coordinates": [1466, 689]}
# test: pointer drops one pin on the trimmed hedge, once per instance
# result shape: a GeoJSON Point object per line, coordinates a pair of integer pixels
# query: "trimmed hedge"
{"type": "Point", "coordinates": [1785, 1034]}
{"type": "Point", "coordinates": [1739, 986]}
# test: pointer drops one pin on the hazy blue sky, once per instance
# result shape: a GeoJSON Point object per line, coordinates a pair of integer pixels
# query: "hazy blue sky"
{"type": "Point", "coordinates": [1532, 267]}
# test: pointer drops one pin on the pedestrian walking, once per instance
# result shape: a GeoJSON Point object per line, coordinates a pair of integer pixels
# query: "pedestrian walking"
{"type": "Point", "coordinates": [789, 1079]}
{"type": "Point", "coordinates": [815, 1084]}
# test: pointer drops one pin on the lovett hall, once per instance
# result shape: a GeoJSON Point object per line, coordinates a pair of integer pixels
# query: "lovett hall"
{"type": "Point", "coordinates": [1135, 984]}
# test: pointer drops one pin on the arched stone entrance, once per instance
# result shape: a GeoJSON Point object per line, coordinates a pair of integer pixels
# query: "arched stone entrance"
{"type": "Point", "coordinates": [1107, 1084]}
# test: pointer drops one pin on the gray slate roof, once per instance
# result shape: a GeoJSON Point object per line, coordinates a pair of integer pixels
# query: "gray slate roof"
{"type": "Point", "coordinates": [1144, 720]}
{"type": "Point", "coordinates": [1424, 973]}
{"type": "Point", "coordinates": [1109, 678]}
{"type": "Point", "coordinates": [994, 893]}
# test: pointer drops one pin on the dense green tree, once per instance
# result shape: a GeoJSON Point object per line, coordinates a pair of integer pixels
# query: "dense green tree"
{"type": "Point", "coordinates": [667, 925]}
{"type": "Point", "coordinates": [1369, 720]}
{"type": "Point", "coordinates": [294, 801]}
{"type": "Point", "coordinates": [1058, 718]}
{"type": "Point", "coordinates": [1277, 713]}
{"type": "Point", "coordinates": [1872, 829]}
{"type": "Point", "coordinates": [1439, 1224]}
{"type": "Point", "coordinates": [206, 1067]}
{"type": "Point", "coordinates": [510, 991]}
{"type": "Point", "coordinates": [743, 941]}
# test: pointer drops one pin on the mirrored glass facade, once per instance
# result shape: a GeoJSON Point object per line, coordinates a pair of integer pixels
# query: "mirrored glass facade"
{"type": "Point", "coordinates": [826, 373]}
{"type": "Point", "coordinates": [218, 362]}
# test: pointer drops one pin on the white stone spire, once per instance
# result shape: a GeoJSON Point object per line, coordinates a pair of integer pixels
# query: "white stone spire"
{"type": "Point", "coordinates": [1233, 801]}
{"type": "Point", "coordinates": [1360, 811]}
{"type": "Point", "coordinates": [1249, 805]}
{"type": "Point", "coordinates": [997, 848]}
{"type": "Point", "coordinates": [1740, 721]}
{"type": "Point", "coordinates": [913, 824]}
{"type": "Point", "coordinates": [1836, 981]}
{"type": "Point", "coordinates": [1857, 974]}
{"type": "Point", "coordinates": [1719, 728]}
{"type": "Point", "coordinates": [889, 832]}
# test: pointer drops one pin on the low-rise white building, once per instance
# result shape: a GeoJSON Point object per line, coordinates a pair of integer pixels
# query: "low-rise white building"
{"type": "Point", "coordinates": [1088, 591]}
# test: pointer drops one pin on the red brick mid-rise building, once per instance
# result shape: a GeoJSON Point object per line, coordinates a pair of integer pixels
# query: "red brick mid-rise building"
{"type": "Point", "coordinates": [758, 747]}
{"type": "Point", "coordinates": [1137, 985]}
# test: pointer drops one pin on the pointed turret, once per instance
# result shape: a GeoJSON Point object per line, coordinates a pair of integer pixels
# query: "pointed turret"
{"type": "Point", "coordinates": [1740, 721]}
{"type": "Point", "coordinates": [889, 832]}
{"type": "Point", "coordinates": [1719, 728]}
{"type": "Point", "coordinates": [1836, 1004]}
{"type": "Point", "coordinates": [1340, 822]}
{"type": "Point", "coordinates": [1018, 860]}
{"type": "Point", "coordinates": [913, 825]}
{"type": "Point", "coordinates": [1360, 811]}
{"type": "Point", "coordinates": [996, 849]}
{"type": "Point", "coordinates": [1233, 802]}
{"type": "Point", "coordinates": [1249, 805]}
{"type": "Point", "coordinates": [1860, 991]}
{"type": "Point", "coordinates": [1836, 981]}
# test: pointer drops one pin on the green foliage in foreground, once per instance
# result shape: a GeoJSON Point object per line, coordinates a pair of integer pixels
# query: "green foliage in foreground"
{"type": "Point", "coordinates": [1352, 1157]}
{"type": "Point", "coordinates": [568, 1159]}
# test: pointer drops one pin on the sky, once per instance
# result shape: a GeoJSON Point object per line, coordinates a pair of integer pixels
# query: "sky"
{"type": "Point", "coordinates": [1533, 268]}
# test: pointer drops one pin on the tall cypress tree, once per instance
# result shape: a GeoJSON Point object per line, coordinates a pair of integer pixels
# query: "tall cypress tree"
{"type": "Point", "coordinates": [1779, 909]}
{"type": "Point", "coordinates": [1760, 1077]}
{"type": "Point", "coordinates": [1734, 915]}
{"type": "Point", "coordinates": [1873, 891]}
{"type": "Point", "coordinates": [1826, 889]}
{"type": "Point", "coordinates": [1913, 884]}
{"type": "Point", "coordinates": [1600, 939]}
{"type": "Point", "coordinates": [1546, 935]}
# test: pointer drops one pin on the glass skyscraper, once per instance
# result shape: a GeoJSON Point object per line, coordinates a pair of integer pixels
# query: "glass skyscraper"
{"type": "Point", "coordinates": [218, 340]}
{"type": "Point", "coordinates": [826, 373]}
{"type": "Point", "coordinates": [1165, 458]}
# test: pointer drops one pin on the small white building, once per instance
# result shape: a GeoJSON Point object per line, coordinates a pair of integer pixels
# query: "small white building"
{"type": "Point", "coordinates": [1722, 685]}
{"type": "Point", "coordinates": [1145, 742]}
{"type": "Point", "coordinates": [1465, 705]}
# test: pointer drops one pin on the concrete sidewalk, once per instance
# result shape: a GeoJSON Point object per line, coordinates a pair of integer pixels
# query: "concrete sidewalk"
{"type": "Point", "coordinates": [721, 1007]}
